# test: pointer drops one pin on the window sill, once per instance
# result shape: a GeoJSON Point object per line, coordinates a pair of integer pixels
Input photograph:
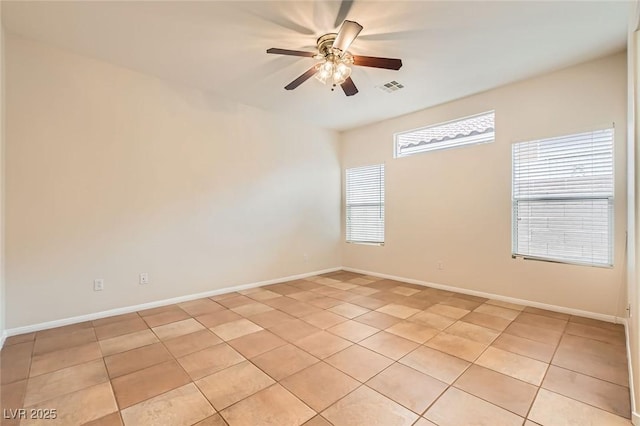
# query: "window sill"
{"type": "Point", "coordinates": [364, 243]}
{"type": "Point", "coordinates": [563, 262]}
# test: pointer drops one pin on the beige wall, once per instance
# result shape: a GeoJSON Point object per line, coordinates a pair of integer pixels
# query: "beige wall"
{"type": "Point", "coordinates": [454, 205]}
{"type": "Point", "coordinates": [111, 173]}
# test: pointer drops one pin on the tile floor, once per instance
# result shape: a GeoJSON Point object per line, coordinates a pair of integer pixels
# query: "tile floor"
{"type": "Point", "coordinates": [342, 349]}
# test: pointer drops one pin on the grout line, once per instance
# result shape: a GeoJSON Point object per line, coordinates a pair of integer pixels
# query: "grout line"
{"type": "Point", "coordinates": [590, 376]}
{"type": "Point", "coordinates": [188, 375]}
{"type": "Point", "coordinates": [533, 401]}
{"type": "Point", "coordinates": [113, 393]}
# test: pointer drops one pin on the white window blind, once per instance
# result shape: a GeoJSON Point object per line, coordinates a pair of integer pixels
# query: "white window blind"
{"type": "Point", "coordinates": [365, 204]}
{"type": "Point", "coordinates": [464, 131]}
{"type": "Point", "coordinates": [563, 198]}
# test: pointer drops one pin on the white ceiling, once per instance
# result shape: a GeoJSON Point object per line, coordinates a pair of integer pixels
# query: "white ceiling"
{"type": "Point", "coordinates": [449, 49]}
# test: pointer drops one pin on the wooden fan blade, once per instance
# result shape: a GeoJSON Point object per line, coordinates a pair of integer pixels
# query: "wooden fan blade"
{"type": "Point", "coordinates": [348, 32]}
{"type": "Point", "coordinates": [349, 87]}
{"type": "Point", "coordinates": [304, 77]}
{"type": "Point", "coordinates": [277, 51]}
{"type": "Point", "coordinates": [345, 7]}
{"type": "Point", "coordinates": [370, 61]}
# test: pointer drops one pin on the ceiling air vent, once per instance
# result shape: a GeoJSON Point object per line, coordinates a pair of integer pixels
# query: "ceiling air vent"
{"type": "Point", "coordinates": [391, 86]}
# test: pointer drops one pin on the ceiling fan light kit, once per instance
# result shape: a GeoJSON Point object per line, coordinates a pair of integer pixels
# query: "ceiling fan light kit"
{"type": "Point", "coordinates": [335, 63]}
{"type": "Point", "coordinates": [334, 69]}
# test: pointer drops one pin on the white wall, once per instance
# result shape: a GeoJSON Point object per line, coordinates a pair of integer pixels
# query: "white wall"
{"type": "Point", "coordinates": [455, 205]}
{"type": "Point", "coordinates": [2, 181]}
{"type": "Point", "coordinates": [111, 173]}
{"type": "Point", "coordinates": [633, 329]}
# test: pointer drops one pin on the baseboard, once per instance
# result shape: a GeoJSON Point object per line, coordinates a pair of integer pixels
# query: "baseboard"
{"type": "Point", "coordinates": [3, 337]}
{"type": "Point", "coordinates": [555, 308]}
{"type": "Point", "coordinates": [127, 309]}
{"type": "Point", "coordinates": [635, 417]}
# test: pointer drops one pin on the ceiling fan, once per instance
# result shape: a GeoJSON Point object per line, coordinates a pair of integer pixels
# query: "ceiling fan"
{"type": "Point", "coordinates": [335, 60]}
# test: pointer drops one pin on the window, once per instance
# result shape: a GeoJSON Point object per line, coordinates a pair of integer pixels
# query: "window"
{"type": "Point", "coordinates": [563, 198]}
{"type": "Point", "coordinates": [466, 131]}
{"type": "Point", "coordinates": [365, 204]}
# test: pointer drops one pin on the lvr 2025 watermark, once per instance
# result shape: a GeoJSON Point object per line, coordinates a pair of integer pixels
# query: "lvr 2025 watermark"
{"type": "Point", "coordinates": [30, 413]}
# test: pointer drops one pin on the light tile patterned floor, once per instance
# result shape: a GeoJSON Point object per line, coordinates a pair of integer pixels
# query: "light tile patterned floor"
{"type": "Point", "coordinates": [342, 349]}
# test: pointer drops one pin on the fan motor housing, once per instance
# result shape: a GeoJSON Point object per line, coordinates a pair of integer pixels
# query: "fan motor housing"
{"type": "Point", "coordinates": [325, 43]}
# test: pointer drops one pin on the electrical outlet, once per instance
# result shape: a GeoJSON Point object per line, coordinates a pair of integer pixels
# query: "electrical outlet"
{"type": "Point", "coordinates": [440, 265]}
{"type": "Point", "coordinates": [98, 284]}
{"type": "Point", "coordinates": [144, 278]}
{"type": "Point", "coordinates": [305, 257]}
